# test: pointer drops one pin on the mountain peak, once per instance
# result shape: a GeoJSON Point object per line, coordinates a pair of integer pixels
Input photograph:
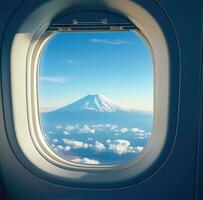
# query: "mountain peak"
{"type": "Point", "coordinates": [93, 102]}
{"type": "Point", "coordinates": [94, 95]}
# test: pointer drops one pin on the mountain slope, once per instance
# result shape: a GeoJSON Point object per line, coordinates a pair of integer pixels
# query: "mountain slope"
{"type": "Point", "coordinates": [95, 109]}
{"type": "Point", "coordinates": [97, 102]}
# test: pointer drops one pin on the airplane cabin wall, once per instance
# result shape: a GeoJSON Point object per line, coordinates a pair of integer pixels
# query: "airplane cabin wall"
{"type": "Point", "coordinates": [178, 177]}
{"type": "Point", "coordinates": [1, 185]}
{"type": "Point", "coordinates": [200, 150]}
{"type": "Point", "coordinates": [6, 10]}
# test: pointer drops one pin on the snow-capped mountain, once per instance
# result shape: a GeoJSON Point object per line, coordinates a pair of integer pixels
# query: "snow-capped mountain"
{"type": "Point", "coordinates": [94, 109]}
{"type": "Point", "coordinates": [96, 102]}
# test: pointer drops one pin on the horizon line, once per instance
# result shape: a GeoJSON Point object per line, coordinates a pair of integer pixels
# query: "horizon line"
{"type": "Point", "coordinates": [56, 107]}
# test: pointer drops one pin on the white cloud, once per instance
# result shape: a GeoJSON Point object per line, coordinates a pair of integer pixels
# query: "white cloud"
{"type": "Point", "coordinates": [86, 129]}
{"type": "Point", "coordinates": [99, 146]}
{"type": "Point", "coordinates": [132, 149]}
{"type": "Point", "coordinates": [140, 134]}
{"type": "Point", "coordinates": [90, 145]}
{"type": "Point", "coordinates": [71, 127]}
{"type": "Point", "coordinates": [108, 141]}
{"type": "Point", "coordinates": [59, 147]}
{"type": "Point", "coordinates": [107, 125]}
{"type": "Point", "coordinates": [85, 161]}
{"type": "Point", "coordinates": [66, 132]}
{"type": "Point", "coordinates": [113, 127]}
{"type": "Point", "coordinates": [141, 137]}
{"type": "Point", "coordinates": [67, 148]}
{"type": "Point", "coordinates": [76, 144]}
{"type": "Point", "coordinates": [75, 61]}
{"type": "Point", "coordinates": [53, 79]}
{"type": "Point", "coordinates": [85, 145]}
{"type": "Point", "coordinates": [99, 125]}
{"type": "Point", "coordinates": [55, 140]}
{"type": "Point", "coordinates": [137, 130]}
{"type": "Point", "coordinates": [123, 130]}
{"type": "Point", "coordinates": [112, 42]}
{"type": "Point", "coordinates": [140, 148]}
{"type": "Point", "coordinates": [119, 146]}
{"type": "Point", "coordinates": [92, 131]}
{"type": "Point", "coordinates": [123, 146]}
{"type": "Point", "coordinates": [58, 127]}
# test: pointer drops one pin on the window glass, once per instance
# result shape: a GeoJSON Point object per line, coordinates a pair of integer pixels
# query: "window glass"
{"type": "Point", "coordinates": [95, 96]}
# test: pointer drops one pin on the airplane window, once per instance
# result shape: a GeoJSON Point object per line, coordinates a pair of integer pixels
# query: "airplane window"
{"type": "Point", "coordinates": [95, 96]}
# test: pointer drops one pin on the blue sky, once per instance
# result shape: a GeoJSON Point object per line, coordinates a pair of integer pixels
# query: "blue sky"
{"type": "Point", "coordinates": [118, 65]}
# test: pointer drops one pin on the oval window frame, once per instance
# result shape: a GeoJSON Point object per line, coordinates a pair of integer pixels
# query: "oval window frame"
{"type": "Point", "coordinates": [58, 174]}
{"type": "Point", "coordinates": [45, 149]}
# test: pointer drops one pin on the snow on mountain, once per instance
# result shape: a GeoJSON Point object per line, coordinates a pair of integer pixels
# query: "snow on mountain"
{"type": "Point", "coordinates": [96, 102]}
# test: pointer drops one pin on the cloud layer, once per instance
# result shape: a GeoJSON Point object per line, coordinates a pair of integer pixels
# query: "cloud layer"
{"type": "Point", "coordinates": [95, 128]}
{"type": "Point", "coordinates": [95, 139]}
